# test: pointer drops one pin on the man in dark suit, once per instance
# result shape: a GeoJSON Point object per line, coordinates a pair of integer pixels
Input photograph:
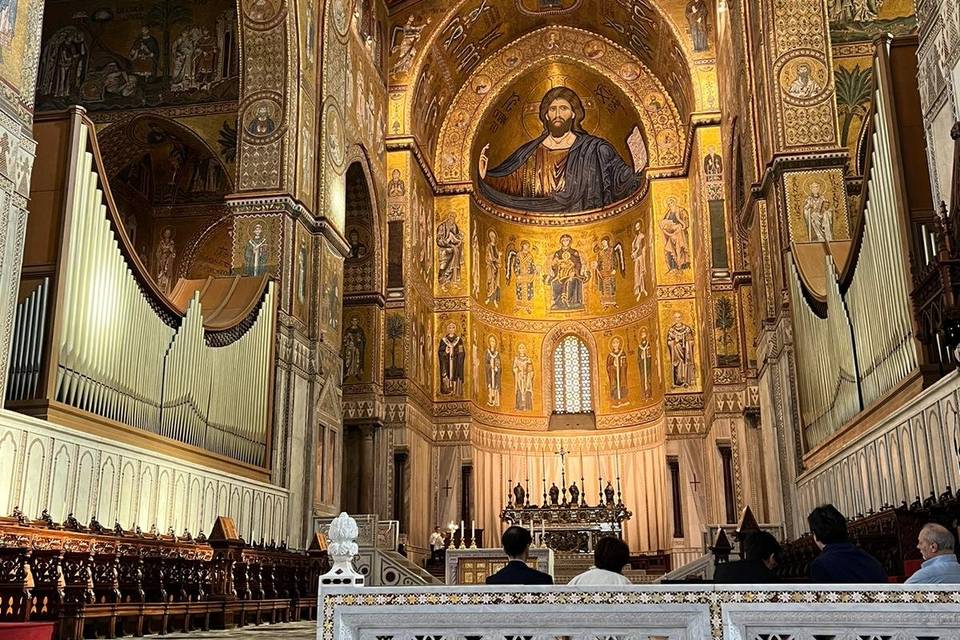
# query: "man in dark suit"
{"type": "Point", "coordinates": [760, 550]}
{"type": "Point", "coordinates": [840, 560]}
{"type": "Point", "coordinates": [516, 543]}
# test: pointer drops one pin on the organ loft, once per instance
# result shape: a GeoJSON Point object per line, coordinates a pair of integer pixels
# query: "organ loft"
{"type": "Point", "coordinates": [666, 271]}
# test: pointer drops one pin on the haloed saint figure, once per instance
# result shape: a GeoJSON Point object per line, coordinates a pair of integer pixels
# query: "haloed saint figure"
{"type": "Point", "coordinates": [564, 169]}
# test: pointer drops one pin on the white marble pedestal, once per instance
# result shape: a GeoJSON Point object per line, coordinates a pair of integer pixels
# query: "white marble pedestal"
{"type": "Point", "coordinates": [472, 566]}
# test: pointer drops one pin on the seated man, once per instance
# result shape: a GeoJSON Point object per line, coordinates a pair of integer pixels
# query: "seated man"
{"type": "Point", "coordinates": [760, 550]}
{"type": "Point", "coordinates": [940, 566]}
{"type": "Point", "coordinates": [839, 560]}
{"type": "Point", "coordinates": [516, 544]}
{"type": "Point", "coordinates": [610, 556]}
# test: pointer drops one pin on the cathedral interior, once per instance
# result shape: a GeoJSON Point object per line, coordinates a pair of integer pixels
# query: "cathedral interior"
{"type": "Point", "coordinates": [465, 264]}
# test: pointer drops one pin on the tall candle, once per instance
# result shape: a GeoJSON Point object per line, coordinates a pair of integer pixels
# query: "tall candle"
{"type": "Point", "coordinates": [473, 532]}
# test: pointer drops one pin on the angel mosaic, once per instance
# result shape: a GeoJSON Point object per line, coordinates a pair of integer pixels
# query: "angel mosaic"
{"type": "Point", "coordinates": [608, 266]}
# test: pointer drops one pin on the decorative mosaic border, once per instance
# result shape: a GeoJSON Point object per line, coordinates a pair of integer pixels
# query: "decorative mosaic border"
{"type": "Point", "coordinates": [715, 598]}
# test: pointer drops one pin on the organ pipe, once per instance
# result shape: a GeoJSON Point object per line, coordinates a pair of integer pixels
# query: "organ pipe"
{"type": "Point", "coordinates": [120, 351]}
{"type": "Point", "coordinates": [864, 347]}
{"type": "Point", "coordinates": [878, 296]}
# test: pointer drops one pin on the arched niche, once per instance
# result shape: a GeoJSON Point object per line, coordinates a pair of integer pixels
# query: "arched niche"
{"type": "Point", "coordinates": [487, 97]}
{"type": "Point", "coordinates": [169, 186]}
{"type": "Point", "coordinates": [551, 341]}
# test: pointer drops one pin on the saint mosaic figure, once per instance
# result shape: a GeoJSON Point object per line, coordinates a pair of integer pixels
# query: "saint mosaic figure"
{"type": "Point", "coordinates": [492, 259]}
{"type": "Point", "coordinates": [450, 244]}
{"type": "Point", "coordinates": [638, 253]}
{"type": "Point", "coordinates": [617, 372]}
{"type": "Point", "coordinates": [804, 85]}
{"type": "Point", "coordinates": [698, 18]}
{"type": "Point", "coordinates": [492, 370]}
{"type": "Point", "coordinates": [523, 270]}
{"type": "Point", "coordinates": [566, 277]}
{"type": "Point", "coordinates": [396, 188]}
{"type": "Point", "coordinates": [451, 355]}
{"type": "Point", "coordinates": [818, 214]}
{"type": "Point", "coordinates": [713, 164]}
{"type": "Point", "coordinates": [255, 253]}
{"type": "Point", "coordinates": [676, 239]}
{"type": "Point", "coordinates": [354, 347]}
{"type": "Point", "coordinates": [523, 379]}
{"type": "Point", "coordinates": [564, 169]}
{"type": "Point", "coordinates": [680, 346]}
{"type": "Point", "coordinates": [166, 253]}
{"type": "Point", "coordinates": [608, 265]}
{"type": "Point", "coordinates": [404, 41]}
{"type": "Point", "coordinates": [645, 362]}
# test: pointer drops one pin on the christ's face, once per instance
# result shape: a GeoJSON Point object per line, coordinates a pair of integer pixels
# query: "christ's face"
{"type": "Point", "coordinates": [559, 117]}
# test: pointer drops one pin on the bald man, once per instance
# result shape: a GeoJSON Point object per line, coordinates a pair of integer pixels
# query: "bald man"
{"type": "Point", "coordinates": [936, 545]}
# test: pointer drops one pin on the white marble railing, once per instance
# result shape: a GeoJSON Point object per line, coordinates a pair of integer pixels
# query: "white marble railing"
{"type": "Point", "coordinates": [49, 466]}
{"type": "Point", "coordinates": [701, 612]}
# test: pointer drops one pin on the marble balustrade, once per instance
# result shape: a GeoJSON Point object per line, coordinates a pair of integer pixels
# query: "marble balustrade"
{"type": "Point", "coordinates": [707, 612]}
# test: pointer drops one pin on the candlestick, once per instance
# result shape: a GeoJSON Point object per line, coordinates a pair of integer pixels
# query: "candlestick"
{"type": "Point", "coordinates": [473, 534]}
{"type": "Point", "coordinates": [462, 541]}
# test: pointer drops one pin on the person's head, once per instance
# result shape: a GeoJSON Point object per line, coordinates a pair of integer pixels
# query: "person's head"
{"type": "Point", "coordinates": [604, 242]}
{"type": "Point", "coordinates": [492, 341]}
{"type": "Point", "coordinates": [616, 344]}
{"type": "Point", "coordinates": [451, 328]}
{"type": "Point", "coordinates": [815, 189]}
{"type": "Point", "coordinates": [828, 525]}
{"type": "Point", "coordinates": [935, 540]}
{"type": "Point", "coordinates": [436, 529]}
{"type": "Point", "coordinates": [561, 111]}
{"type": "Point", "coordinates": [566, 240]}
{"type": "Point", "coordinates": [522, 349]}
{"type": "Point", "coordinates": [396, 174]}
{"type": "Point", "coordinates": [611, 554]}
{"type": "Point", "coordinates": [516, 542]}
{"type": "Point", "coordinates": [671, 203]}
{"type": "Point", "coordinates": [761, 546]}
{"type": "Point", "coordinates": [257, 230]}
{"type": "Point", "coordinates": [677, 318]}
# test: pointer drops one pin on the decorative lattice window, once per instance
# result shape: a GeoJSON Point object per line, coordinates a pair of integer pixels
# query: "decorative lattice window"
{"type": "Point", "coordinates": [571, 377]}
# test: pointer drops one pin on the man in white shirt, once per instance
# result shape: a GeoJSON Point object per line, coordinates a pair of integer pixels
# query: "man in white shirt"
{"type": "Point", "coordinates": [436, 544]}
{"type": "Point", "coordinates": [940, 566]}
{"type": "Point", "coordinates": [610, 556]}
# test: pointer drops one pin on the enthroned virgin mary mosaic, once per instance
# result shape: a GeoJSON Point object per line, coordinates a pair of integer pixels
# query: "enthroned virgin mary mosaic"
{"type": "Point", "coordinates": [564, 169]}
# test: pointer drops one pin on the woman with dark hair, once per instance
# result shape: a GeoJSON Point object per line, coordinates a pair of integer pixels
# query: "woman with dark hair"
{"type": "Point", "coordinates": [610, 556]}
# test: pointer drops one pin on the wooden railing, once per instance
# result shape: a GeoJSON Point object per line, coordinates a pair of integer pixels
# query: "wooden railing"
{"type": "Point", "coordinates": [99, 582]}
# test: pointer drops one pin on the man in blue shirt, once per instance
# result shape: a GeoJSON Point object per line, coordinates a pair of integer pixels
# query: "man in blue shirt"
{"type": "Point", "coordinates": [839, 560]}
{"type": "Point", "coordinates": [940, 566]}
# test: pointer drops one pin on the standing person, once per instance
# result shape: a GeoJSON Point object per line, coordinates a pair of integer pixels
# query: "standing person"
{"type": "Point", "coordinates": [516, 544]}
{"type": "Point", "coordinates": [840, 560]}
{"type": "Point", "coordinates": [436, 544]}
{"type": "Point", "coordinates": [610, 556]}
{"type": "Point", "coordinates": [938, 548]}
{"type": "Point", "coordinates": [760, 550]}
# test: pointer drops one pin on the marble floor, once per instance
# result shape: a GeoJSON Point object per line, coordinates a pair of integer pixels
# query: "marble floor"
{"type": "Point", "coordinates": [289, 631]}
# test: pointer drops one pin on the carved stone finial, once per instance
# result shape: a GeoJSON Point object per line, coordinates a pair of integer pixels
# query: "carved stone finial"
{"type": "Point", "coordinates": [342, 548]}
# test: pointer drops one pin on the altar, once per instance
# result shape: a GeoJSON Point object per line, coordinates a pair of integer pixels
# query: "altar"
{"type": "Point", "coordinates": [472, 566]}
{"type": "Point", "coordinates": [566, 520]}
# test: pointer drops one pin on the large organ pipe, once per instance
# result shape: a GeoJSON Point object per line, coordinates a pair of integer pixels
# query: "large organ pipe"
{"type": "Point", "coordinates": [121, 351]}
{"type": "Point", "coordinates": [864, 347]}
{"type": "Point", "coordinates": [878, 294]}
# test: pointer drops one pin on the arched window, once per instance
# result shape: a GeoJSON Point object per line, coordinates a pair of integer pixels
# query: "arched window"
{"type": "Point", "coordinates": [571, 377]}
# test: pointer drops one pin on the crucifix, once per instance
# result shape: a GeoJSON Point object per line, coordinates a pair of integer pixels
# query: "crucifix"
{"type": "Point", "coordinates": [563, 471]}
